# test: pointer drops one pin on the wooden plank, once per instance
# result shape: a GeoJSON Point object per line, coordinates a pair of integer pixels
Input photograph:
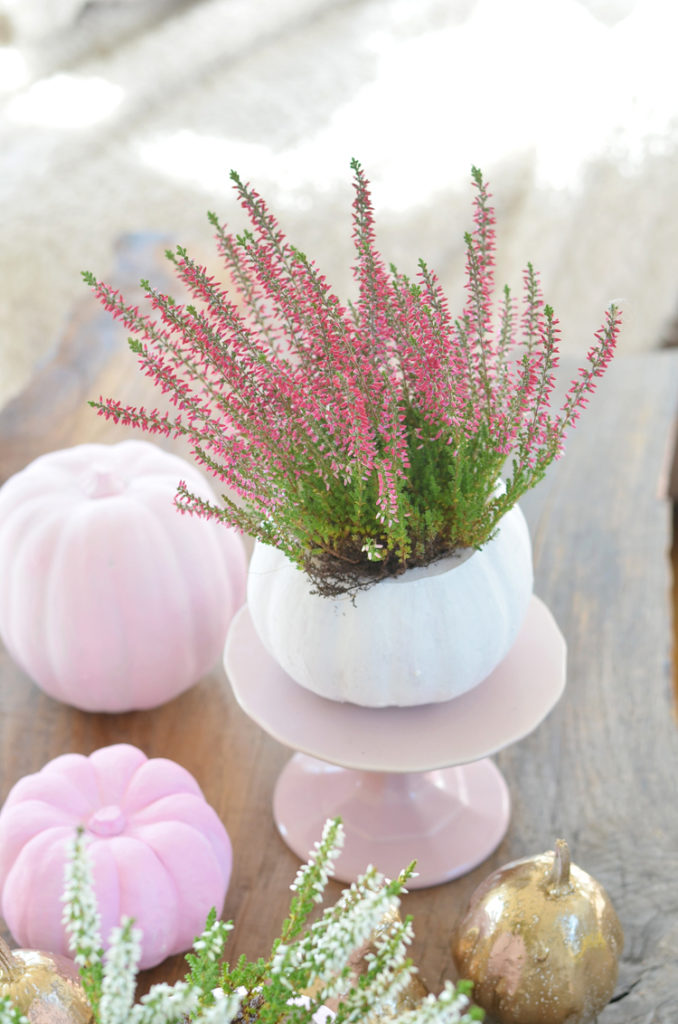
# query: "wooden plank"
{"type": "Point", "coordinates": [600, 771]}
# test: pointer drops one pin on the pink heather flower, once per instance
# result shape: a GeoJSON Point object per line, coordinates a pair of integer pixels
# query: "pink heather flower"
{"type": "Point", "coordinates": [380, 424]}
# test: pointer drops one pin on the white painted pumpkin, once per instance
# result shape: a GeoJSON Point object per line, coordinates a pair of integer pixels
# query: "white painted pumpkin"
{"type": "Point", "coordinates": [426, 636]}
{"type": "Point", "coordinates": [110, 599]}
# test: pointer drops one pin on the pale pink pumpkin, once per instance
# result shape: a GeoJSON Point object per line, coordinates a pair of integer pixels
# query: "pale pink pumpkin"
{"type": "Point", "coordinates": [110, 599]}
{"type": "Point", "coordinates": [160, 853]}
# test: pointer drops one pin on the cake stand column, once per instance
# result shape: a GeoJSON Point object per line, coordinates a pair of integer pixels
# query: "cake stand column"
{"type": "Point", "coordinates": [448, 820]}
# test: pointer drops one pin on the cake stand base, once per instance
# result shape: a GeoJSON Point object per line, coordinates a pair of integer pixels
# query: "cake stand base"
{"type": "Point", "coordinates": [448, 820]}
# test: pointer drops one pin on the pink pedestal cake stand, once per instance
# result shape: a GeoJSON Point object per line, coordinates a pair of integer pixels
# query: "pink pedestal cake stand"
{"type": "Point", "coordinates": [409, 783]}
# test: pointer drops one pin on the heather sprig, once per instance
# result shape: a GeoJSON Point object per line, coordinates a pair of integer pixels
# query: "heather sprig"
{"type": "Point", "coordinates": [312, 877]}
{"type": "Point", "coordinates": [82, 922]}
{"type": "Point", "coordinates": [310, 963]}
{"type": "Point", "coordinates": [121, 965]}
{"type": "Point", "coordinates": [9, 1013]}
{"type": "Point", "coordinates": [365, 437]}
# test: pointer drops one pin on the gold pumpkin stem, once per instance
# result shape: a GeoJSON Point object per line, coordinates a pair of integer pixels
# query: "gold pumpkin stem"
{"type": "Point", "coordinates": [558, 879]}
{"type": "Point", "coordinates": [8, 963]}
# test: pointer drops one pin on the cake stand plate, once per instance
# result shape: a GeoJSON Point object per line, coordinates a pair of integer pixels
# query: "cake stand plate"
{"type": "Point", "coordinates": [393, 774]}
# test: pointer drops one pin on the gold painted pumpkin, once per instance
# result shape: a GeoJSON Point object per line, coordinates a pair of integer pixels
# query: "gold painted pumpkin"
{"type": "Point", "coordinates": [44, 986]}
{"type": "Point", "coordinates": [540, 941]}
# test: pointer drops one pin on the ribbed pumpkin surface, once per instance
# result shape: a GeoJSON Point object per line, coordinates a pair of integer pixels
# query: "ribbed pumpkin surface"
{"type": "Point", "coordinates": [109, 598]}
{"type": "Point", "coordinates": [426, 636]}
{"type": "Point", "coordinates": [160, 853]}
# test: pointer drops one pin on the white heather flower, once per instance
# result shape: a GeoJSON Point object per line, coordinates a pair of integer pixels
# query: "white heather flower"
{"type": "Point", "coordinates": [285, 959]}
{"type": "Point", "coordinates": [447, 1008]}
{"type": "Point", "coordinates": [347, 926]}
{"type": "Point", "coordinates": [213, 940]}
{"type": "Point", "coordinates": [223, 1010]}
{"type": "Point", "coordinates": [120, 972]}
{"type": "Point", "coordinates": [164, 1003]}
{"type": "Point", "coordinates": [393, 975]}
{"type": "Point", "coordinates": [10, 1014]}
{"type": "Point", "coordinates": [81, 914]}
{"type": "Point", "coordinates": [321, 859]}
{"type": "Point", "coordinates": [322, 954]}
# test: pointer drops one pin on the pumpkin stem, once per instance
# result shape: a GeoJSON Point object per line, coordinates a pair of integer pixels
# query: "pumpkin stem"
{"type": "Point", "coordinates": [8, 963]}
{"type": "Point", "coordinates": [102, 482]}
{"type": "Point", "coordinates": [558, 879]}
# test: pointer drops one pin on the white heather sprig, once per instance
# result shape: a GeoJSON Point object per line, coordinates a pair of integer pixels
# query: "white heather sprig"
{"type": "Point", "coordinates": [311, 880]}
{"type": "Point", "coordinates": [224, 1009]}
{"type": "Point", "coordinates": [348, 925]}
{"type": "Point", "coordinates": [307, 958]}
{"type": "Point", "coordinates": [388, 973]}
{"type": "Point", "coordinates": [81, 919]}
{"type": "Point", "coordinates": [165, 1003]}
{"type": "Point", "coordinates": [324, 952]}
{"type": "Point", "coordinates": [320, 864]}
{"type": "Point", "coordinates": [10, 1014]}
{"type": "Point", "coordinates": [213, 940]}
{"type": "Point", "coordinates": [120, 971]}
{"type": "Point", "coordinates": [451, 1006]}
{"type": "Point", "coordinates": [81, 914]}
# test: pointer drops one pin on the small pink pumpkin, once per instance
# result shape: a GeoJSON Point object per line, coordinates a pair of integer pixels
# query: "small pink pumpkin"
{"type": "Point", "coordinates": [160, 853]}
{"type": "Point", "coordinates": [110, 599]}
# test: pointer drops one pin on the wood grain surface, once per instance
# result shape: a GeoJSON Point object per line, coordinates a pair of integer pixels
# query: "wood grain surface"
{"type": "Point", "coordinates": [600, 771]}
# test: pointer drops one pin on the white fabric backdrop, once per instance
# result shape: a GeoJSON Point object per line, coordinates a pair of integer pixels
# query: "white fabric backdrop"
{"type": "Point", "coordinates": [125, 116]}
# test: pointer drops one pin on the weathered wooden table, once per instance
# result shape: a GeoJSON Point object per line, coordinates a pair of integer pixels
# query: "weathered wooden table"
{"type": "Point", "coordinates": [600, 771]}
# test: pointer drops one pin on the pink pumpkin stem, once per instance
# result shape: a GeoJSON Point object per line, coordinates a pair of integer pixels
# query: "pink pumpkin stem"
{"type": "Point", "coordinates": [107, 821]}
{"type": "Point", "coordinates": [103, 483]}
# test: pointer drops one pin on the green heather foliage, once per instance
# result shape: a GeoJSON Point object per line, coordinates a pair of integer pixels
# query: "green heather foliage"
{"type": "Point", "coordinates": [360, 438]}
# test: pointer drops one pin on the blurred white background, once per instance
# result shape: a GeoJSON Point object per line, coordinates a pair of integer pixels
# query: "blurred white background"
{"type": "Point", "coordinates": [127, 115]}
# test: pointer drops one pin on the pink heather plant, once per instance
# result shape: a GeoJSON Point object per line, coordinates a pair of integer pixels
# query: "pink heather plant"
{"type": "Point", "coordinates": [359, 438]}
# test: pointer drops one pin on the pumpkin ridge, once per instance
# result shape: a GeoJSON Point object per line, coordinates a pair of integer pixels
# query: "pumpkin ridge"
{"type": "Point", "coordinates": [106, 875]}
{"type": "Point", "coordinates": [21, 824]}
{"type": "Point", "coordinates": [27, 608]}
{"type": "Point", "coordinates": [177, 801]}
{"type": "Point", "coordinates": [160, 611]}
{"type": "Point", "coordinates": [208, 550]}
{"type": "Point", "coordinates": [71, 651]}
{"type": "Point", "coordinates": [194, 894]}
{"type": "Point", "coordinates": [161, 939]}
{"type": "Point", "coordinates": [112, 774]}
{"type": "Point", "coordinates": [190, 650]}
{"type": "Point", "coordinates": [142, 787]}
{"type": "Point", "coordinates": [26, 890]}
{"type": "Point", "coordinates": [48, 789]}
{"type": "Point", "coordinates": [209, 826]}
{"type": "Point", "coordinates": [71, 769]}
